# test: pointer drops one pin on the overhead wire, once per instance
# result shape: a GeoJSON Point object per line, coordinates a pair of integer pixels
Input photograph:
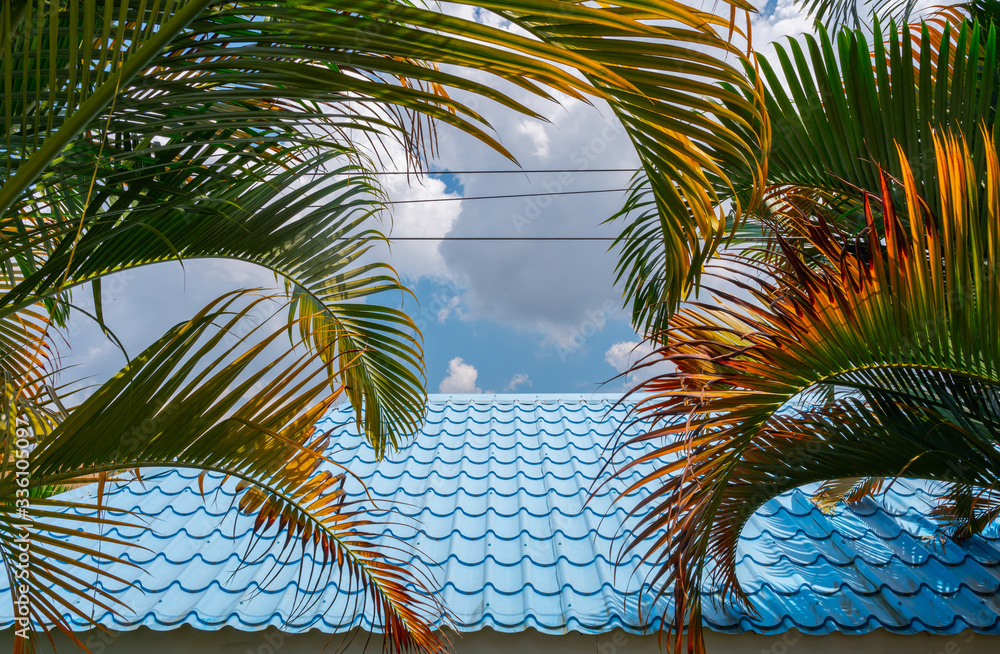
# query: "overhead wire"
{"type": "Point", "coordinates": [509, 172]}
{"type": "Point", "coordinates": [500, 238]}
{"type": "Point", "coordinates": [507, 196]}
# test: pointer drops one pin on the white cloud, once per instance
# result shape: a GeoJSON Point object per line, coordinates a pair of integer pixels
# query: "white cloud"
{"type": "Point", "coordinates": [415, 260]}
{"type": "Point", "coordinates": [520, 379]}
{"type": "Point", "coordinates": [622, 356]}
{"type": "Point", "coordinates": [544, 287]}
{"type": "Point", "coordinates": [535, 131]}
{"type": "Point", "coordinates": [787, 19]}
{"type": "Point", "coordinates": [461, 378]}
{"type": "Point", "coordinates": [447, 308]}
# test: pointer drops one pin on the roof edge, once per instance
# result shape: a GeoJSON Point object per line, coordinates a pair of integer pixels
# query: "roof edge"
{"type": "Point", "coordinates": [529, 397]}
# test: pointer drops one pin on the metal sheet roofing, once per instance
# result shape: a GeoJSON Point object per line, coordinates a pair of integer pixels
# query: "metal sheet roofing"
{"type": "Point", "coordinates": [493, 494]}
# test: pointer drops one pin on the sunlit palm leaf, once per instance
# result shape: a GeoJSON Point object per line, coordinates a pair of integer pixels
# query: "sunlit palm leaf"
{"type": "Point", "coordinates": [27, 367]}
{"type": "Point", "coordinates": [858, 106]}
{"type": "Point", "coordinates": [314, 233]}
{"type": "Point", "coordinates": [187, 402]}
{"type": "Point", "coordinates": [903, 332]}
{"type": "Point", "coordinates": [693, 116]}
{"type": "Point", "coordinates": [858, 14]}
{"type": "Point", "coordinates": [984, 11]}
{"type": "Point", "coordinates": [389, 398]}
{"type": "Point", "coordinates": [837, 107]}
{"type": "Point", "coordinates": [235, 90]}
{"type": "Point", "coordinates": [64, 569]}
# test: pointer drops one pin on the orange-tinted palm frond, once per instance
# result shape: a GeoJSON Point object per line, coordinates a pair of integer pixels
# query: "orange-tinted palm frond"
{"type": "Point", "coordinates": [28, 362]}
{"type": "Point", "coordinates": [985, 12]}
{"type": "Point", "coordinates": [55, 563]}
{"type": "Point", "coordinates": [196, 399]}
{"type": "Point", "coordinates": [309, 505]}
{"type": "Point", "coordinates": [344, 536]}
{"type": "Point", "coordinates": [873, 357]}
{"type": "Point", "coordinates": [847, 109]}
{"type": "Point", "coordinates": [969, 509]}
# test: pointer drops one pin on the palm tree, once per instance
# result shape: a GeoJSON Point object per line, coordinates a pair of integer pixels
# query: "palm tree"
{"type": "Point", "coordinates": [140, 132]}
{"type": "Point", "coordinates": [855, 339]}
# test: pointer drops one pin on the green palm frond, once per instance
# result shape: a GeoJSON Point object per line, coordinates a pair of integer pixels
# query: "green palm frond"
{"type": "Point", "coordinates": [857, 14]}
{"type": "Point", "coordinates": [901, 329]}
{"type": "Point", "coordinates": [378, 340]}
{"type": "Point", "coordinates": [140, 132]}
{"type": "Point", "coordinates": [187, 402]}
{"type": "Point", "coordinates": [858, 106]}
{"type": "Point", "coordinates": [983, 11]}
{"type": "Point", "coordinates": [238, 92]}
{"type": "Point", "coordinates": [838, 104]}
{"type": "Point", "coordinates": [315, 233]}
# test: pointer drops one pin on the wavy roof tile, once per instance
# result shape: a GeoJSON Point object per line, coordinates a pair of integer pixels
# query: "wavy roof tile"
{"type": "Point", "coordinates": [493, 494]}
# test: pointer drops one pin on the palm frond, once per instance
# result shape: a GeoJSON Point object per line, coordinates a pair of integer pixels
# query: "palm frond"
{"type": "Point", "coordinates": [857, 14]}
{"type": "Point", "coordinates": [986, 12]}
{"type": "Point", "coordinates": [692, 116]}
{"type": "Point", "coordinates": [859, 106]}
{"type": "Point", "coordinates": [237, 411]}
{"type": "Point", "coordinates": [900, 329]}
{"type": "Point", "coordinates": [315, 233]}
{"type": "Point", "coordinates": [843, 109]}
{"type": "Point", "coordinates": [237, 93]}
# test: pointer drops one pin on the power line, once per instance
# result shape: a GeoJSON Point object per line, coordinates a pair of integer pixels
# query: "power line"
{"type": "Point", "coordinates": [536, 171]}
{"type": "Point", "coordinates": [510, 196]}
{"type": "Point", "coordinates": [500, 238]}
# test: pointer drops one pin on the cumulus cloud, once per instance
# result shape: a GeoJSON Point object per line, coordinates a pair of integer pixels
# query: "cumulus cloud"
{"type": "Point", "coordinates": [622, 356]}
{"type": "Point", "coordinates": [461, 378]}
{"type": "Point", "coordinates": [520, 379]}
{"type": "Point", "coordinates": [536, 131]}
{"type": "Point", "coordinates": [447, 308]}
{"type": "Point", "coordinates": [417, 213]}
{"type": "Point", "coordinates": [786, 18]}
{"type": "Point", "coordinates": [546, 287]}
{"type": "Point", "coordinates": [561, 290]}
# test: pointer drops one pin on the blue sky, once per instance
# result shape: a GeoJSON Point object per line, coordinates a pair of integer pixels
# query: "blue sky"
{"type": "Point", "coordinates": [540, 317]}
{"type": "Point", "coordinates": [508, 359]}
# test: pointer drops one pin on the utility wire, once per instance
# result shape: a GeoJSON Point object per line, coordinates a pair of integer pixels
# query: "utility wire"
{"type": "Point", "coordinates": [536, 171]}
{"type": "Point", "coordinates": [510, 196]}
{"type": "Point", "coordinates": [500, 238]}
{"type": "Point", "coordinates": [505, 197]}
{"type": "Point", "coordinates": [606, 239]}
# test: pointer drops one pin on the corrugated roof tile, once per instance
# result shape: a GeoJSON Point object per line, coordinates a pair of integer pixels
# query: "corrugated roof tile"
{"type": "Point", "coordinates": [493, 494]}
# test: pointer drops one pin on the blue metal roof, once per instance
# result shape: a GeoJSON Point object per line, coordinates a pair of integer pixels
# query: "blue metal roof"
{"type": "Point", "coordinates": [494, 495]}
